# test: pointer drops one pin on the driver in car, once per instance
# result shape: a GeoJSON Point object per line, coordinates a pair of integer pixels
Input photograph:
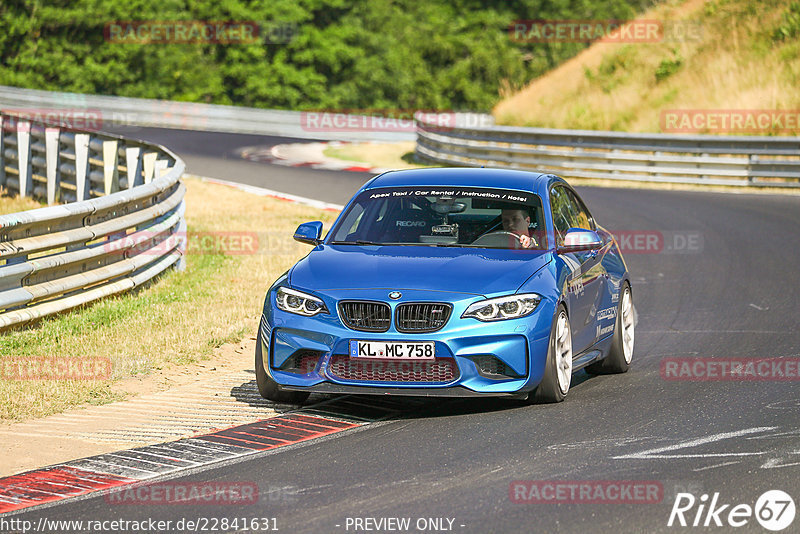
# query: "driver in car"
{"type": "Point", "coordinates": [517, 222]}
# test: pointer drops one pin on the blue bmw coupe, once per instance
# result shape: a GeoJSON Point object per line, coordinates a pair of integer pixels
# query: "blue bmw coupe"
{"type": "Point", "coordinates": [449, 282]}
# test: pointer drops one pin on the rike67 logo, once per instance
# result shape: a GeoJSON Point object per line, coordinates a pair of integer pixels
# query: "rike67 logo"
{"type": "Point", "coordinates": [774, 510]}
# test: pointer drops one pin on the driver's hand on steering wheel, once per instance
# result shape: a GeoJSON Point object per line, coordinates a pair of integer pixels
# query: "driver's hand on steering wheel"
{"type": "Point", "coordinates": [516, 222]}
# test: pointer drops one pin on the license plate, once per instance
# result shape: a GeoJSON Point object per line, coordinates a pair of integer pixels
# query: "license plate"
{"type": "Point", "coordinates": [387, 350]}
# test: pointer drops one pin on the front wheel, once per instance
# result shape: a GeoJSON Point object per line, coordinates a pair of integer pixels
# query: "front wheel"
{"type": "Point", "coordinates": [621, 352]}
{"type": "Point", "coordinates": [558, 366]}
{"type": "Point", "coordinates": [268, 388]}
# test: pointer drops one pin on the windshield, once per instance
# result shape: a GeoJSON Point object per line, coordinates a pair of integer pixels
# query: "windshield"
{"type": "Point", "coordinates": [444, 216]}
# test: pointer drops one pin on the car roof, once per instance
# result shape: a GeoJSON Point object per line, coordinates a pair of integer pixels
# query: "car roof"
{"type": "Point", "coordinates": [463, 177]}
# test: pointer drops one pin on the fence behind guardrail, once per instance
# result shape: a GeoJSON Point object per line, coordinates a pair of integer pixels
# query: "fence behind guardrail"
{"type": "Point", "coordinates": [122, 223]}
{"type": "Point", "coordinates": [697, 159]}
{"type": "Point", "coordinates": [108, 112]}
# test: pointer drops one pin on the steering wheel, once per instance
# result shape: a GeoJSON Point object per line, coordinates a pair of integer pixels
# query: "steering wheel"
{"type": "Point", "coordinates": [500, 239]}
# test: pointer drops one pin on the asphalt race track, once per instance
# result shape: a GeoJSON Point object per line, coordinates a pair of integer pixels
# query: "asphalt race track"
{"type": "Point", "coordinates": [728, 289]}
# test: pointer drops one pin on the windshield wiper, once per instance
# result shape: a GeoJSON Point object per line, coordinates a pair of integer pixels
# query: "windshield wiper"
{"type": "Point", "coordinates": [356, 242]}
{"type": "Point", "coordinates": [390, 244]}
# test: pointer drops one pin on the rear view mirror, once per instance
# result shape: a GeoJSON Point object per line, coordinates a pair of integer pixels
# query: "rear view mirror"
{"type": "Point", "coordinates": [577, 239]}
{"type": "Point", "coordinates": [445, 205]}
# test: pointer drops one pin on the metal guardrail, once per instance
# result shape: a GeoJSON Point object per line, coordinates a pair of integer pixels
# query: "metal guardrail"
{"type": "Point", "coordinates": [696, 159]}
{"type": "Point", "coordinates": [110, 111]}
{"type": "Point", "coordinates": [122, 224]}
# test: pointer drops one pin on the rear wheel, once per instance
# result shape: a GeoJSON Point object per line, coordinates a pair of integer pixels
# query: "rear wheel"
{"type": "Point", "coordinates": [621, 352]}
{"type": "Point", "coordinates": [558, 367]}
{"type": "Point", "coordinates": [268, 388]}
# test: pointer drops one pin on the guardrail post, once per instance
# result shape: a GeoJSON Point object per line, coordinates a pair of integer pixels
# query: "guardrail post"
{"type": "Point", "coordinates": [52, 141]}
{"type": "Point", "coordinates": [704, 176]}
{"type": "Point", "coordinates": [110, 166]}
{"type": "Point", "coordinates": [82, 166]}
{"type": "Point", "coordinates": [161, 168]}
{"type": "Point", "coordinates": [2, 155]}
{"type": "Point", "coordinates": [149, 166]}
{"type": "Point", "coordinates": [750, 160]}
{"type": "Point", "coordinates": [183, 238]}
{"type": "Point", "coordinates": [24, 161]}
{"type": "Point", "coordinates": [133, 162]}
{"type": "Point", "coordinates": [652, 163]}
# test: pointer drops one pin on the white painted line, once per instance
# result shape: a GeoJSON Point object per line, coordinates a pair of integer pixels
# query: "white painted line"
{"type": "Point", "coordinates": [714, 466]}
{"type": "Point", "coordinates": [134, 458]}
{"type": "Point", "coordinates": [22, 488]}
{"type": "Point", "coordinates": [656, 453]}
{"type": "Point", "coordinates": [795, 432]}
{"type": "Point", "coordinates": [87, 464]}
{"type": "Point", "coordinates": [774, 463]}
{"type": "Point", "coordinates": [699, 455]}
{"type": "Point", "coordinates": [711, 332]}
{"type": "Point", "coordinates": [165, 457]}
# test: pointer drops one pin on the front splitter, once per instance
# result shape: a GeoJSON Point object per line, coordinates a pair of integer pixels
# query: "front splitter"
{"type": "Point", "coordinates": [454, 391]}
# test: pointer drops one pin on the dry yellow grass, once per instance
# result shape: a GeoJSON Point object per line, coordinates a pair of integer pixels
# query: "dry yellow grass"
{"type": "Point", "coordinates": [179, 319]}
{"type": "Point", "coordinates": [13, 204]}
{"type": "Point", "coordinates": [737, 63]}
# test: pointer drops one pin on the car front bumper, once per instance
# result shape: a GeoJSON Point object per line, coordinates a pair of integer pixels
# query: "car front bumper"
{"type": "Point", "coordinates": [519, 346]}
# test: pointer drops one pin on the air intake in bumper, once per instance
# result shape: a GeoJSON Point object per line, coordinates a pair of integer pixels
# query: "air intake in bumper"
{"type": "Point", "coordinates": [491, 367]}
{"type": "Point", "coordinates": [301, 362]}
{"type": "Point", "coordinates": [440, 370]}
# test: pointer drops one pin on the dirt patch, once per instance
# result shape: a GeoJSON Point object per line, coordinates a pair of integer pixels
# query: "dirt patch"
{"type": "Point", "coordinates": [173, 402]}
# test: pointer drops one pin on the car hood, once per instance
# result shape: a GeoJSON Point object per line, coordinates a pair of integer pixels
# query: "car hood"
{"type": "Point", "coordinates": [462, 270]}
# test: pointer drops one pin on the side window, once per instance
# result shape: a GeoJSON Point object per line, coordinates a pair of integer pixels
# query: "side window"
{"type": "Point", "coordinates": [582, 217]}
{"type": "Point", "coordinates": [564, 216]}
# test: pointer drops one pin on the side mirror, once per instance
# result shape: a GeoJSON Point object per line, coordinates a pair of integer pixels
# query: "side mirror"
{"type": "Point", "coordinates": [310, 233]}
{"type": "Point", "coordinates": [577, 239]}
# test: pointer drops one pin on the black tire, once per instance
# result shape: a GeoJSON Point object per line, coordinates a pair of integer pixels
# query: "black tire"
{"type": "Point", "coordinates": [548, 390]}
{"type": "Point", "coordinates": [268, 388]}
{"type": "Point", "coordinates": [615, 362]}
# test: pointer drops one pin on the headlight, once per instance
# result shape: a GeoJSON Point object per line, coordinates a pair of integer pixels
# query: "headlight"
{"type": "Point", "coordinates": [510, 307]}
{"type": "Point", "coordinates": [297, 302]}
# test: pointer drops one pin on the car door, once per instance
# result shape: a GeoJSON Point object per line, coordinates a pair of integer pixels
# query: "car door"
{"type": "Point", "coordinates": [585, 283]}
{"type": "Point", "coordinates": [594, 277]}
